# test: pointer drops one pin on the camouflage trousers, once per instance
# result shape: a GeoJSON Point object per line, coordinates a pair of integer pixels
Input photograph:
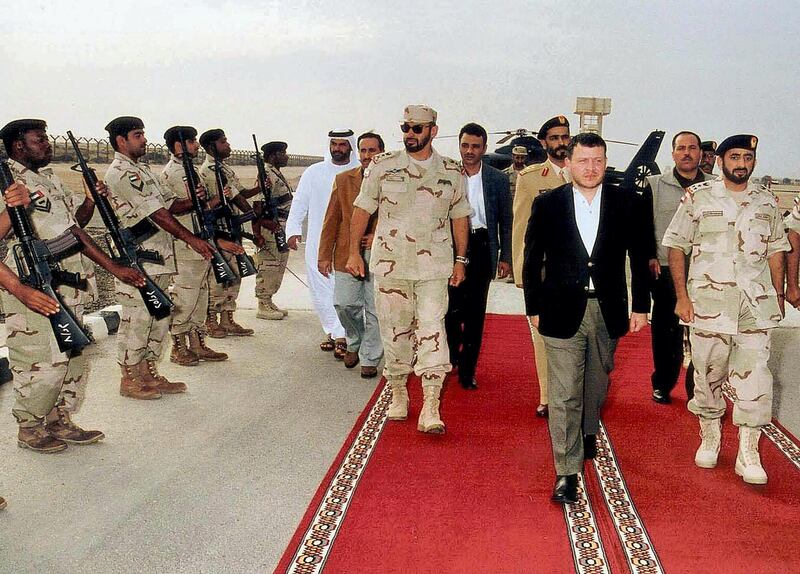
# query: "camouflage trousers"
{"type": "Point", "coordinates": [222, 298]}
{"type": "Point", "coordinates": [540, 356]}
{"type": "Point", "coordinates": [740, 360]}
{"type": "Point", "coordinates": [140, 335]}
{"type": "Point", "coordinates": [271, 265]}
{"type": "Point", "coordinates": [44, 377]}
{"type": "Point", "coordinates": [190, 295]}
{"type": "Point", "coordinates": [411, 318]}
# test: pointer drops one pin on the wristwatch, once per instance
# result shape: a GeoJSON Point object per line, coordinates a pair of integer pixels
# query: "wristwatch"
{"type": "Point", "coordinates": [460, 259]}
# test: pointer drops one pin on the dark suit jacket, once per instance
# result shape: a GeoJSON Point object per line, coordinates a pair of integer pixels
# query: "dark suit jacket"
{"type": "Point", "coordinates": [553, 241]}
{"type": "Point", "coordinates": [497, 203]}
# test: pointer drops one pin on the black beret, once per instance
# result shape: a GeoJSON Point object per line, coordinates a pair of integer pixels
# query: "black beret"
{"type": "Point", "coordinates": [123, 125]}
{"type": "Point", "coordinates": [558, 121]}
{"type": "Point", "coordinates": [171, 135]}
{"type": "Point", "coordinates": [742, 141]}
{"type": "Point", "coordinates": [210, 136]}
{"type": "Point", "coordinates": [271, 147]}
{"type": "Point", "coordinates": [709, 145]}
{"type": "Point", "coordinates": [13, 130]}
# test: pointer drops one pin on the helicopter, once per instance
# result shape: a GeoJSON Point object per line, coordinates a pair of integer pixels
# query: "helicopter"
{"type": "Point", "coordinates": [642, 166]}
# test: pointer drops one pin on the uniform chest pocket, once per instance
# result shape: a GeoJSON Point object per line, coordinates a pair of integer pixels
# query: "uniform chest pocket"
{"type": "Point", "coordinates": [393, 195]}
{"type": "Point", "coordinates": [714, 236]}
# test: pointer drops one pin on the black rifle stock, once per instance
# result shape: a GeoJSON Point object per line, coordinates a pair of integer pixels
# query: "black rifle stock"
{"type": "Point", "coordinates": [270, 209]}
{"type": "Point", "coordinates": [229, 225]}
{"type": "Point", "coordinates": [203, 219]}
{"type": "Point", "coordinates": [126, 249]}
{"type": "Point", "coordinates": [37, 265]}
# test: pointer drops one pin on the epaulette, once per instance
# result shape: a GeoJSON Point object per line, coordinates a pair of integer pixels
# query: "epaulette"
{"type": "Point", "coordinates": [532, 168]}
{"type": "Point", "coordinates": [385, 155]}
{"type": "Point", "coordinates": [698, 186]}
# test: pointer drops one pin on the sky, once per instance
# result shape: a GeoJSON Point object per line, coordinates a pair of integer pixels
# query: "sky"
{"type": "Point", "coordinates": [293, 71]}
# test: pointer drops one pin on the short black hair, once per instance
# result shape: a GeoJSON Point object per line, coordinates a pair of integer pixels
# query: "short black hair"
{"type": "Point", "coordinates": [675, 137]}
{"type": "Point", "coordinates": [474, 129]}
{"type": "Point", "coordinates": [372, 135]}
{"type": "Point", "coordinates": [587, 139]}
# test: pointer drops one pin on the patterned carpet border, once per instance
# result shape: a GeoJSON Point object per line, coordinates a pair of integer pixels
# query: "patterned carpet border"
{"type": "Point", "coordinates": [636, 544]}
{"type": "Point", "coordinates": [314, 548]}
{"type": "Point", "coordinates": [585, 542]}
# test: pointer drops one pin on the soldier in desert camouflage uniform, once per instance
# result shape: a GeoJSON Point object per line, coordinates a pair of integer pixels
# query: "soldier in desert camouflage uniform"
{"type": "Point", "coordinates": [136, 195]}
{"type": "Point", "coordinates": [49, 385]}
{"type": "Point", "coordinates": [417, 194]}
{"type": "Point", "coordinates": [733, 233]}
{"type": "Point", "coordinates": [271, 263]}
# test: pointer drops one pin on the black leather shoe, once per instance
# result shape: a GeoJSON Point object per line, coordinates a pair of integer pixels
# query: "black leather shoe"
{"type": "Point", "coordinates": [566, 489]}
{"type": "Point", "coordinates": [542, 411]}
{"type": "Point", "coordinates": [469, 384]}
{"type": "Point", "coordinates": [589, 446]}
{"type": "Point", "coordinates": [661, 397]}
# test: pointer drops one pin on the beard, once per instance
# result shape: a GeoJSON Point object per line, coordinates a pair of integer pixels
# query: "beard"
{"type": "Point", "coordinates": [420, 144]}
{"type": "Point", "coordinates": [558, 152]}
{"type": "Point", "coordinates": [340, 156]}
{"type": "Point", "coordinates": [735, 177]}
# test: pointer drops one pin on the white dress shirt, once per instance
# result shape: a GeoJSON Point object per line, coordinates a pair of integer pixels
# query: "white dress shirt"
{"type": "Point", "coordinates": [475, 196]}
{"type": "Point", "coordinates": [587, 218]}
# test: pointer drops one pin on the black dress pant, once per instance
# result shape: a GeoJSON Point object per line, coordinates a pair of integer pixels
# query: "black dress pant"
{"type": "Point", "coordinates": [467, 307]}
{"type": "Point", "coordinates": [667, 334]}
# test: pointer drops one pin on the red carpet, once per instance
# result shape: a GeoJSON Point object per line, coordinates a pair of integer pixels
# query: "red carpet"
{"type": "Point", "coordinates": [476, 499]}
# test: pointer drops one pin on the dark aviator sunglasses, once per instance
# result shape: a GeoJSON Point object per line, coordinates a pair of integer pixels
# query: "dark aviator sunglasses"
{"type": "Point", "coordinates": [416, 128]}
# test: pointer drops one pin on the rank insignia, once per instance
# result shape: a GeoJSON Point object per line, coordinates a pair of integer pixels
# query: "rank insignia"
{"type": "Point", "coordinates": [136, 181]}
{"type": "Point", "coordinates": [40, 201]}
{"type": "Point", "coordinates": [545, 171]}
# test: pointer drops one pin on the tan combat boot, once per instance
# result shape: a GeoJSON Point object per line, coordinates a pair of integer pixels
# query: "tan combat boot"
{"type": "Point", "coordinates": [429, 420]}
{"type": "Point", "coordinates": [150, 375]}
{"type": "Point", "coordinates": [398, 408]}
{"type": "Point", "coordinates": [748, 461]}
{"type": "Point", "coordinates": [197, 345]}
{"type": "Point", "coordinates": [38, 439]}
{"type": "Point", "coordinates": [214, 329]}
{"type": "Point", "coordinates": [181, 355]}
{"type": "Point", "coordinates": [232, 327]}
{"type": "Point", "coordinates": [711, 438]}
{"type": "Point", "coordinates": [267, 311]}
{"type": "Point", "coordinates": [272, 304]}
{"type": "Point", "coordinates": [133, 386]}
{"type": "Point", "coordinates": [64, 429]}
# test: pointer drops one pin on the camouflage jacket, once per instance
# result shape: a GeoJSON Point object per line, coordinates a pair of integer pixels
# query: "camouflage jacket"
{"type": "Point", "coordinates": [728, 247]}
{"type": "Point", "coordinates": [173, 179]}
{"type": "Point", "coordinates": [413, 239]}
{"type": "Point", "coordinates": [282, 192]}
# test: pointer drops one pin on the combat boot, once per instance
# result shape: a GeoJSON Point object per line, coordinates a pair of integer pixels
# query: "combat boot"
{"type": "Point", "coordinates": [267, 311]}
{"type": "Point", "coordinates": [748, 461]}
{"type": "Point", "coordinates": [214, 329]}
{"type": "Point", "coordinates": [398, 408]}
{"type": "Point", "coordinates": [232, 327]}
{"type": "Point", "coordinates": [148, 371]}
{"type": "Point", "coordinates": [133, 386]}
{"type": "Point", "coordinates": [197, 345]}
{"type": "Point", "coordinates": [711, 438]}
{"type": "Point", "coordinates": [38, 439]}
{"type": "Point", "coordinates": [429, 420]}
{"type": "Point", "coordinates": [64, 429]}
{"type": "Point", "coordinates": [272, 304]}
{"type": "Point", "coordinates": [181, 355]}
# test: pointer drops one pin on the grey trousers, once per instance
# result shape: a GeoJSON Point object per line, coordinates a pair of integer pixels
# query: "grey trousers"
{"type": "Point", "coordinates": [577, 376]}
{"type": "Point", "coordinates": [354, 301]}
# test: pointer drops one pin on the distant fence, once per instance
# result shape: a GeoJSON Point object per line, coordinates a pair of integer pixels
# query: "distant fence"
{"type": "Point", "coordinates": [100, 151]}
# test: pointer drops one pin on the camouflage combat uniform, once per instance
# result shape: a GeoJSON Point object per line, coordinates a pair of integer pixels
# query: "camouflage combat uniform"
{"type": "Point", "coordinates": [191, 283]}
{"type": "Point", "coordinates": [270, 262]}
{"type": "Point", "coordinates": [512, 179]}
{"type": "Point", "coordinates": [134, 193]}
{"type": "Point", "coordinates": [43, 376]}
{"type": "Point", "coordinates": [729, 237]}
{"type": "Point", "coordinates": [412, 258]}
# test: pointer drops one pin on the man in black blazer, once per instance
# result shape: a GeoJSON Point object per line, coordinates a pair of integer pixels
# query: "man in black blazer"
{"type": "Point", "coordinates": [580, 234]}
{"type": "Point", "coordinates": [489, 241]}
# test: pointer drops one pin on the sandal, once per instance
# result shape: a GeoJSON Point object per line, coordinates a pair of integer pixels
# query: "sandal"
{"type": "Point", "coordinates": [327, 344]}
{"type": "Point", "coordinates": [341, 349]}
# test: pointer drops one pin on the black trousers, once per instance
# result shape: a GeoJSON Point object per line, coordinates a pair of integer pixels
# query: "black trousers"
{"type": "Point", "coordinates": [467, 307]}
{"type": "Point", "coordinates": [667, 334]}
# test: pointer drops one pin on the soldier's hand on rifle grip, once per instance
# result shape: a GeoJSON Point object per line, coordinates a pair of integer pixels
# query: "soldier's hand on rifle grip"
{"type": "Point", "coordinates": [270, 224]}
{"type": "Point", "coordinates": [201, 192]}
{"type": "Point", "coordinates": [128, 275]}
{"type": "Point", "coordinates": [227, 191]}
{"type": "Point", "coordinates": [230, 246]}
{"type": "Point", "coordinates": [17, 195]}
{"type": "Point", "coordinates": [35, 300]}
{"type": "Point", "coordinates": [201, 247]}
{"type": "Point", "coordinates": [354, 265]}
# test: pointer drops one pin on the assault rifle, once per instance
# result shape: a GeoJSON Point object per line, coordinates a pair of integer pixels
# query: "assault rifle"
{"type": "Point", "coordinates": [37, 265]}
{"type": "Point", "coordinates": [126, 249]}
{"type": "Point", "coordinates": [229, 225]}
{"type": "Point", "coordinates": [203, 219]}
{"type": "Point", "coordinates": [270, 209]}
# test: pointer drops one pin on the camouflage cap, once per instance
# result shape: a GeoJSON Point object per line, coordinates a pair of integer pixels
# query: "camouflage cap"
{"type": "Point", "coordinates": [741, 141]}
{"type": "Point", "coordinates": [519, 150]}
{"type": "Point", "coordinates": [270, 148]}
{"type": "Point", "coordinates": [210, 136]}
{"type": "Point", "coordinates": [709, 145]}
{"type": "Point", "coordinates": [556, 122]}
{"type": "Point", "coordinates": [16, 129]}
{"type": "Point", "coordinates": [419, 115]}
{"type": "Point", "coordinates": [171, 135]}
{"type": "Point", "coordinates": [123, 125]}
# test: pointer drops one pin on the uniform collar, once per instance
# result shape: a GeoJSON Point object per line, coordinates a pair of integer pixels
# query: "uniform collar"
{"type": "Point", "coordinates": [123, 158]}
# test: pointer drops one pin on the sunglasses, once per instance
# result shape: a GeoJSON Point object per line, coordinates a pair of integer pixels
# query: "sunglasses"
{"type": "Point", "coordinates": [416, 128]}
